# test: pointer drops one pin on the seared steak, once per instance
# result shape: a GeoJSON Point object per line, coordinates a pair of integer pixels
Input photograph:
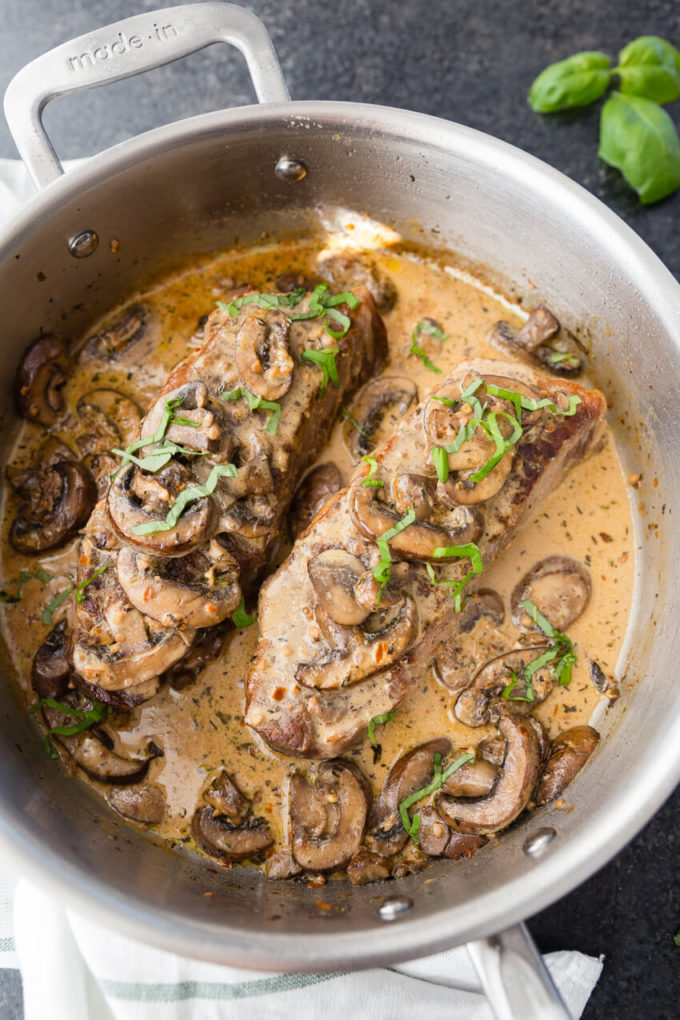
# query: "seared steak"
{"type": "Point", "coordinates": [189, 521]}
{"type": "Point", "coordinates": [350, 621]}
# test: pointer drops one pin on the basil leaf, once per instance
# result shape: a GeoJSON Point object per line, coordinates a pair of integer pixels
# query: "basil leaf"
{"type": "Point", "coordinates": [240, 618]}
{"type": "Point", "coordinates": [378, 720]}
{"type": "Point", "coordinates": [325, 360]}
{"type": "Point", "coordinates": [48, 612]}
{"type": "Point", "coordinates": [383, 570]}
{"type": "Point", "coordinates": [412, 825]}
{"type": "Point", "coordinates": [577, 81]}
{"type": "Point", "coordinates": [186, 496]}
{"type": "Point", "coordinates": [369, 481]}
{"type": "Point", "coordinates": [650, 67]}
{"type": "Point", "coordinates": [638, 138]}
{"type": "Point", "coordinates": [80, 597]}
{"type": "Point", "coordinates": [354, 423]}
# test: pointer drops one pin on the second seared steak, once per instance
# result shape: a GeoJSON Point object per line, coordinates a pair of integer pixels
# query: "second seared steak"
{"type": "Point", "coordinates": [350, 621]}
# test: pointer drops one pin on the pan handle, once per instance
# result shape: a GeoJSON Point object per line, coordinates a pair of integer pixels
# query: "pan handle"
{"type": "Point", "coordinates": [123, 49]}
{"type": "Point", "coordinates": [514, 978]}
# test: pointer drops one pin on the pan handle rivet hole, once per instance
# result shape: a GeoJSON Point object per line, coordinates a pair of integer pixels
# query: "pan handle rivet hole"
{"type": "Point", "coordinates": [537, 843]}
{"type": "Point", "coordinates": [290, 170]}
{"type": "Point", "coordinates": [83, 244]}
{"type": "Point", "coordinates": [394, 907]}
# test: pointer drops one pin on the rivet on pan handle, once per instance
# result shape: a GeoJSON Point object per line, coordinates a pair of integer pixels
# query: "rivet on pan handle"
{"type": "Point", "coordinates": [126, 48]}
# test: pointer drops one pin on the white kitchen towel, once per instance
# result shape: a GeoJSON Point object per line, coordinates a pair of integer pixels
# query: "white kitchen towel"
{"type": "Point", "coordinates": [74, 970]}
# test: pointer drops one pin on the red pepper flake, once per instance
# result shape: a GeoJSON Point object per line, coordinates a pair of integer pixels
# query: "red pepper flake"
{"type": "Point", "coordinates": [324, 906]}
{"type": "Point", "coordinates": [605, 537]}
{"type": "Point", "coordinates": [656, 482]}
{"type": "Point", "coordinates": [279, 694]}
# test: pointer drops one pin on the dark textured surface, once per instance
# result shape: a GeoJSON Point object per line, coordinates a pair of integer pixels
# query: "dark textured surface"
{"type": "Point", "coordinates": [470, 61]}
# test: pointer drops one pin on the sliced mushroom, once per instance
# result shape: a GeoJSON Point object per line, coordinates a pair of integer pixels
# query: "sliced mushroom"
{"type": "Point", "coordinates": [40, 378]}
{"type": "Point", "coordinates": [455, 662]}
{"type": "Point", "coordinates": [383, 639]}
{"type": "Point", "coordinates": [208, 646]}
{"type": "Point", "coordinates": [334, 574]}
{"type": "Point", "coordinates": [50, 670]}
{"type": "Point", "coordinates": [411, 491]}
{"type": "Point", "coordinates": [569, 753]}
{"type": "Point", "coordinates": [436, 839]}
{"type": "Point", "coordinates": [513, 789]}
{"type": "Point", "coordinates": [60, 495]}
{"type": "Point", "coordinates": [347, 271]}
{"type": "Point", "coordinates": [197, 421]}
{"type": "Point", "coordinates": [287, 282]}
{"type": "Point", "coordinates": [558, 586]}
{"type": "Point", "coordinates": [115, 339]}
{"type": "Point", "coordinates": [492, 749]}
{"type": "Point", "coordinates": [144, 803]}
{"type": "Point", "coordinates": [366, 867]}
{"type": "Point", "coordinates": [226, 800]}
{"type": "Point", "coordinates": [129, 664]}
{"type": "Point", "coordinates": [602, 683]}
{"type": "Point", "coordinates": [474, 779]}
{"type": "Point", "coordinates": [313, 492]}
{"type": "Point", "coordinates": [220, 838]}
{"type": "Point", "coordinates": [411, 772]}
{"type": "Point", "coordinates": [281, 865]}
{"type": "Point", "coordinates": [328, 817]}
{"type": "Point", "coordinates": [136, 498]}
{"type": "Point", "coordinates": [92, 750]}
{"type": "Point", "coordinates": [263, 359]}
{"type": "Point", "coordinates": [377, 409]}
{"type": "Point", "coordinates": [111, 419]}
{"type": "Point", "coordinates": [419, 540]}
{"type": "Point", "coordinates": [198, 590]}
{"type": "Point", "coordinates": [531, 340]}
{"type": "Point", "coordinates": [491, 680]}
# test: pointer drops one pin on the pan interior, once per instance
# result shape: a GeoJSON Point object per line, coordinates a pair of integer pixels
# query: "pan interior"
{"type": "Point", "coordinates": [209, 184]}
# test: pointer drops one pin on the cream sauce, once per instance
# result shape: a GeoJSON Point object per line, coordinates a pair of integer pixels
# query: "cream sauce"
{"type": "Point", "coordinates": [200, 728]}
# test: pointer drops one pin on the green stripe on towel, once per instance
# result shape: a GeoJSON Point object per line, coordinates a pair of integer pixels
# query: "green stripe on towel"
{"type": "Point", "coordinates": [182, 990]}
{"type": "Point", "coordinates": [7, 945]}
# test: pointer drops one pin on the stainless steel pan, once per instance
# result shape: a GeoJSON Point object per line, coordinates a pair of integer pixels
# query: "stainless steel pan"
{"type": "Point", "coordinates": [203, 184]}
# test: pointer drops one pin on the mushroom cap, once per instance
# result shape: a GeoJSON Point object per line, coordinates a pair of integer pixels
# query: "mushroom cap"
{"type": "Point", "coordinates": [559, 587]}
{"type": "Point", "coordinates": [263, 359]}
{"type": "Point", "coordinates": [220, 838]}
{"type": "Point", "coordinates": [115, 339]}
{"type": "Point", "coordinates": [475, 702]}
{"type": "Point", "coordinates": [334, 574]}
{"type": "Point", "coordinates": [143, 803]}
{"type": "Point", "coordinates": [328, 818]}
{"type": "Point", "coordinates": [568, 754]}
{"type": "Point", "coordinates": [61, 502]}
{"type": "Point", "coordinates": [313, 492]}
{"type": "Point", "coordinates": [50, 670]}
{"type": "Point", "coordinates": [411, 772]}
{"type": "Point", "coordinates": [513, 789]}
{"type": "Point", "coordinates": [40, 377]}
{"type": "Point", "coordinates": [191, 591]}
{"type": "Point", "coordinates": [377, 408]}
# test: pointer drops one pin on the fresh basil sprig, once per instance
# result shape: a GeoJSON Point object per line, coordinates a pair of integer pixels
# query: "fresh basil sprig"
{"type": "Point", "coordinates": [637, 137]}
{"type": "Point", "coordinates": [577, 81]}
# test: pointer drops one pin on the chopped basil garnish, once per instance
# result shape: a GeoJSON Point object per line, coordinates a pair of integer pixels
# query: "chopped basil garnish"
{"type": "Point", "coordinates": [383, 570]}
{"type": "Point", "coordinates": [412, 825]}
{"type": "Point", "coordinates": [325, 360]}
{"type": "Point", "coordinates": [80, 597]}
{"type": "Point", "coordinates": [240, 618]}
{"type": "Point", "coordinates": [378, 720]}
{"type": "Point", "coordinates": [256, 403]}
{"type": "Point", "coordinates": [521, 402]}
{"type": "Point", "coordinates": [160, 457]}
{"type": "Point", "coordinates": [24, 577]}
{"type": "Point", "coordinates": [440, 459]}
{"type": "Point", "coordinates": [354, 423]}
{"type": "Point", "coordinates": [266, 301]}
{"type": "Point", "coordinates": [558, 358]}
{"type": "Point", "coordinates": [47, 614]}
{"type": "Point", "coordinates": [369, 481]}
{"type": "Point", "coordinates": [88, 717]}
{"type": "Point", "coordinates": [186, 496]}
{"type": "Point", "coordinates": [323, 305]}
{"type": "Point", "coordinates": [561, 653]}
{"type": "Point", "coordinates": [457, 587]}
{"type": "Point", "coordinates": [431, 330]}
